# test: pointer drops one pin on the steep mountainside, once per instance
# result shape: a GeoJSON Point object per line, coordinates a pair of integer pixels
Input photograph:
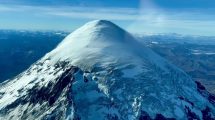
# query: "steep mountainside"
{"type": "Point", "coordinates": [101, 72]}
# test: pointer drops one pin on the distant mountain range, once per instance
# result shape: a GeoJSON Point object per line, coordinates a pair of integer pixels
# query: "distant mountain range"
{"type": "Point", "coordinates": [19, 49]}
{"type": "Point", "coordinates": [195, 55]}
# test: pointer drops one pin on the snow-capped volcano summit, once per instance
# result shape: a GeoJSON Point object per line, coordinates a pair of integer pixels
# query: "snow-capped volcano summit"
{"type": "Point", "coordinates": [101, 72]}
{"type": "Point", "coordinates": [101, 42]}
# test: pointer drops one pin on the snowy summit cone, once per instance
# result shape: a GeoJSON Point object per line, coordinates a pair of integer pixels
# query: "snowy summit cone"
{"type": "Point", "coordinates": [104, 29]}
{"type": "Point", "coordinates": [99, 31]}
{"type": "Point", "coordinates": [101, 72]}
{"type": "Point", "coordinates": [101, 42]}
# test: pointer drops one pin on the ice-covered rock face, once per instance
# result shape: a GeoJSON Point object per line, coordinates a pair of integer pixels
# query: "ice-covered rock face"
{"type": "Point", "coordinates": [101, 72]}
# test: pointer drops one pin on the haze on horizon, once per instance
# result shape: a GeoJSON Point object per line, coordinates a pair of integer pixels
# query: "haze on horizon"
{"type": "Point", "coordinates": [193, 17]}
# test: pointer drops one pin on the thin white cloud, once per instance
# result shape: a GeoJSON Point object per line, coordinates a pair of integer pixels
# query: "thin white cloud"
{"type": "Point", "coordinates": [96, 13]}
{"type": "Point", "coordinates": [6, 9]}
{"type": "Point", "coordinates": [81, 12]}
{"type": "Point", "coordinates": [147, 11]}
{"type": "Point", "coordinates": [128, 14]}
{"type": "Point", "coordinates": [148, 17]}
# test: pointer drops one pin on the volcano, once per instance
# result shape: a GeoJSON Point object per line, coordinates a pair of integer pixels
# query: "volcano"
{"type": "Point", "coordinates": [101, 72]}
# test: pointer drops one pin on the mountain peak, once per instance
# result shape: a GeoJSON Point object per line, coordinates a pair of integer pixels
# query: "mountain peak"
{"type": "Point", "coordinates": [100, 72]}
{"type": "Point", "coordinates": [96, 24]}
{"type": "Point", "coordinates": [102, 30]}
{"type": "Point", "coordinates": [97, 41]}
{"type": "Point", "coordinates": [101, 22]}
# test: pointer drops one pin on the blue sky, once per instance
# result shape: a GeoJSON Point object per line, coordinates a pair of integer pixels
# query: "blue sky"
{"type": "Point", "coordinates": [195, 17]}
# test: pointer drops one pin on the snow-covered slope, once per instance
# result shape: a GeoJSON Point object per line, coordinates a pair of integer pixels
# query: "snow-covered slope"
{"type": "Point", "coordinates": [101, 72]}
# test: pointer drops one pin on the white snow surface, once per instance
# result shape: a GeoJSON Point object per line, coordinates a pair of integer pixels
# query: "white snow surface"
{"type": "Point", "coordinates": [124, 76]}
{"type": "Point", "coordinates": [102, 42]}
